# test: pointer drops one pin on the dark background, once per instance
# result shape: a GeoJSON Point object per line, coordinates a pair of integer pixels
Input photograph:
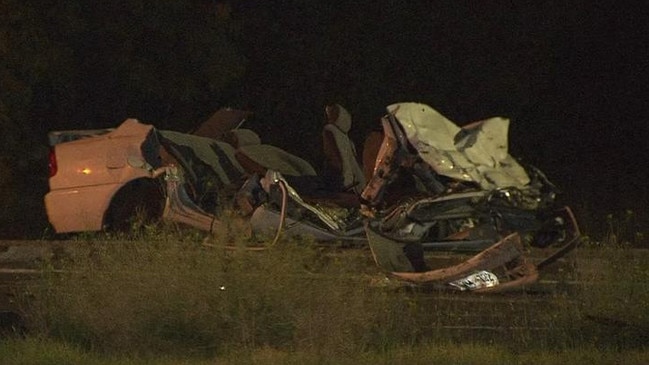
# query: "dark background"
{"type": "Point", "coordinates": [572, 77]}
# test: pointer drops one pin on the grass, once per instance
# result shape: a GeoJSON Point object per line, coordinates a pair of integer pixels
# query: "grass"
{"type": "Point", "coordinates": [43, 352]}
{"type": "Point", "coordinates": [164, 297]}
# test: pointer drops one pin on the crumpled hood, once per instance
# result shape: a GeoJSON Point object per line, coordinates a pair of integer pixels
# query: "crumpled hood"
{"type": "Point", "coordinates": [477, 153]}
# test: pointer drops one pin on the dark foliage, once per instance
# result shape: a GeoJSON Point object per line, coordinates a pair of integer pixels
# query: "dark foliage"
{"type": "Point", "coordinates": [569, 75]}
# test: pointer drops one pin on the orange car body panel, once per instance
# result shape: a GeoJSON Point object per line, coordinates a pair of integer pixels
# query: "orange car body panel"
{"type": "Point", "coordinates": [90, 171]}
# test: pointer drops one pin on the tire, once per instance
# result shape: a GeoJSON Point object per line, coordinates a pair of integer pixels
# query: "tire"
{"type": "Point", "coordinates": [138, 203]}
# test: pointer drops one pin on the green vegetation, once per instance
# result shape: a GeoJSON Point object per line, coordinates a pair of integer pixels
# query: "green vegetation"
{"type": "Point", "coordinates": [41, 352]}
{"type": "Point", "coordinates": [168, 297]}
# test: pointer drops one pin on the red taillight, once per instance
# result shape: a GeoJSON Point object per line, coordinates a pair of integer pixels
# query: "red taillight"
{"type": "Point", "coordinates": [52, 162]}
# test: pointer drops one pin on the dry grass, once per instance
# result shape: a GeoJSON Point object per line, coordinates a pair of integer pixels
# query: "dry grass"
{"type": "Point", "coordinates": [164, 295]}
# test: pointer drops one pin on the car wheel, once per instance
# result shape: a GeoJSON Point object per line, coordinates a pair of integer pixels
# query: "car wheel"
{"type": "Point", "coordinates": [138, 203]}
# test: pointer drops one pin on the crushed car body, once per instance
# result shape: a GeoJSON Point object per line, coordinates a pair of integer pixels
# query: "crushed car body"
{"type": "Point", "coordinates": [471, 196]}
{"type": "Point", "coordinates": [435, 187]}
{"type": "Point", "coordinates": [439, 187]}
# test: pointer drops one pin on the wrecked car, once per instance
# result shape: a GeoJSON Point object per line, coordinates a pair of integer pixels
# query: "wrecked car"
{"type": "Point", "coordinates": [100, 179]}
{"type": "Point", "coordinates": [473, 196]}
{"type": "Point", "coordinates": [434, 187]}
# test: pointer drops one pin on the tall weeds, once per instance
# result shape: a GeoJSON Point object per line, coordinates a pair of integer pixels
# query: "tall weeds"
{"type": "Point", "coordinates": [174, 292]}
{"type": "Point", "coordinates": [169, 295]}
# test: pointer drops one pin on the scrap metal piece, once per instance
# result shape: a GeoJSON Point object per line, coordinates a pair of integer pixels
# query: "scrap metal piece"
{"type": "Point", "coordinates": [477, 274]}
{"type": "Point", "coordinates": [505, 251]}
{"type": "Point", "coordinates": [180, 208]}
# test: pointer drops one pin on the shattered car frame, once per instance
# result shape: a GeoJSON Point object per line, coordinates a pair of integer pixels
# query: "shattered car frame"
{"type": "Point", "coordinates": [476, 197]}
{"type": "Point", "coordinates": [457, 190]}
{"type": "Point", "coordinates": [435, 187]}
{"type": "Point", "coordinates": [99, 178]}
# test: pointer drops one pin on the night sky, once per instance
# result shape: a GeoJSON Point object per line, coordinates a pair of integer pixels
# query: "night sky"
{"type": "Point", "coordinates": [571, 75]}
